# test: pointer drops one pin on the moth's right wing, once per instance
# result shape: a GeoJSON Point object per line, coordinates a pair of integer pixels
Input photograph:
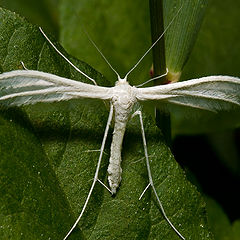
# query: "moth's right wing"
{"type": "Point", "coordinates": [26, 87]}
{"type": "Point", "coordinates": [213, 93]}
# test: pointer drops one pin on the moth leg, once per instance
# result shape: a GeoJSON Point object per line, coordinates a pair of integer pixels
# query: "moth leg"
{"type": "Point", "coordinates": [95, 150]}
{"type": "Point", "coordinates": [96, 172]}
{"type": "Point", "coordinates": [150, 175]}
{"type": "Point", "coordinates": [152, 79]}
{"type": "Point", "coordinates": [105, 186]}
{"type": "Point", "coordinates": [146, 188]}
{"type": "Point", "coordinates": [23, 65]}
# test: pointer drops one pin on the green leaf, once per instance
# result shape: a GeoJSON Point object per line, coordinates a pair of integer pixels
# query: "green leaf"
{"type": "Point", "coordinates": [219, 222]}
{"type": "Point", "coordinates": [217, 49]}
{"type": "Point", "coordinates": [57, 144]}
{"type": "Point", "coordinates": [236, 230]}
{"type": "Point", "coordinates": [31, 196]}
{"type": "Point", "coordinates": [181, 36]}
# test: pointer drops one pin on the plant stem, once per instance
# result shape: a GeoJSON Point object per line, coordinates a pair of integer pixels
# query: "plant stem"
{"type": "Point", "coordinates": [163, 120]}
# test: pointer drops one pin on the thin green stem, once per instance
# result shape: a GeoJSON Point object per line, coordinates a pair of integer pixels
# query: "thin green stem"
{"type": "Point", "coordinates": [163, 120]}
{"type": "Point", "coordinates": [157, 28]}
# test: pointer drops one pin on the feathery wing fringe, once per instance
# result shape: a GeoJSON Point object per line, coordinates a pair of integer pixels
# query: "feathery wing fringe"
{"type": "Point", "coordinates": [25, 87]}
{"type": "Point", "coordinates": [213, 93]}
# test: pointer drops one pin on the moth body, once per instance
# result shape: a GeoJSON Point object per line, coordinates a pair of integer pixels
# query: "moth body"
{"type": "Point", "coordinates": [123, 99]}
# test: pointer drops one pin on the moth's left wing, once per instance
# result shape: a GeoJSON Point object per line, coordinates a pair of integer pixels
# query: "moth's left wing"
{"type": "Point", "coordinates": [26, 87]}
{"type": "Point", "coordinates": [213, 93]}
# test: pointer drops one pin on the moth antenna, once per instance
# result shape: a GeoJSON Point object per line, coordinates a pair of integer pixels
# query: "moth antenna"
{"type": "Point", "coordinates": [152, 79]}
{"type": "Point", "coordinates": [153, 43]}
{"type": "Point", "coordinates": [103, 56]}
{"type": "Point", "coordinates": [65, 58]}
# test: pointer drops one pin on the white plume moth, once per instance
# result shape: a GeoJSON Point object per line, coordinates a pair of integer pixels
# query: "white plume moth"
{"type": "Point", "coordinates": [27, 87]}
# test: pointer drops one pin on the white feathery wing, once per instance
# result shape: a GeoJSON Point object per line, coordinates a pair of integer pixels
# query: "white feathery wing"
{"type": "Point", "coordinates": [24, 87]}
{"type": "Point", "coordinates": [212, 93]}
